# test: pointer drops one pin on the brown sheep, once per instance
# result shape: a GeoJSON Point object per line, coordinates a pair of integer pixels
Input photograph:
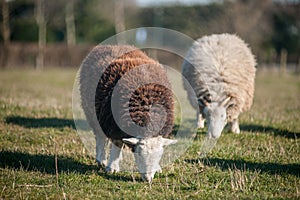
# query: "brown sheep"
{"type": "Point", "coordinates": [126, 97]}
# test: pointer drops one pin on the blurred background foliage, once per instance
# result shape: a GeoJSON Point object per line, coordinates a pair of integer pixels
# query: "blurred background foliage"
{"type": "Point", "coordinates": [268, 26]}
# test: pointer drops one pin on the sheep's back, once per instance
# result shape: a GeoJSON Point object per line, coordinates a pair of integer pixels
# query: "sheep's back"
{"type": "Point", "coordinates": [92, 66]}
{"type": "Point", "coordinates": [136, 110]}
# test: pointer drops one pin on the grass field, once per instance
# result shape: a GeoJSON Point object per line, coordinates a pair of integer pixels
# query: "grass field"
{"type": "Point", "coordinates": [42, 157]}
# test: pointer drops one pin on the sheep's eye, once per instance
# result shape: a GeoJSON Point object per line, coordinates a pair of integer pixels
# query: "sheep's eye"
{"type": "Point", "coordinates": [134, 149]}
{"type": "Point", "coordinates": [230, 106]}
{"type": "Point", "coordinates": [138, 151]}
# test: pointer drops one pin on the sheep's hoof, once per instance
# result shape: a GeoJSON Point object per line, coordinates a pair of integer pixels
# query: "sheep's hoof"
{"type": "Point", "coordinates": [159, 170]}
{"type": "Point", "coordinates": [102, 163]}
{"type": "Point", "coordinates": [111, 170]}
{"type": "Point", "coordinates": [200, 124]}
{"type": "Point", "coordinates": [236, 130]}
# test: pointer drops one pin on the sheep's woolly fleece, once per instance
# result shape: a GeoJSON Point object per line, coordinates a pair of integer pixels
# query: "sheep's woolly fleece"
{"type": "Point", "coordinates": [145, 104]}
{"type": "Point", "coordinates": [220, 66]}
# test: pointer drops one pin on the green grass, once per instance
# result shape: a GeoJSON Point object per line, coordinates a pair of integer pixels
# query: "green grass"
{"type": "Point", "coordinates": [36, 130]}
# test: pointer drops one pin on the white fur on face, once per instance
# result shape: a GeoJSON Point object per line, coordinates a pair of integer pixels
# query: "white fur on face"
{"type": "Point", "coordinates": [147, 153]}
{"type": "Point", "coordinates": [147, 156]}
{"type": "Point", "coordinates": [216, 119]}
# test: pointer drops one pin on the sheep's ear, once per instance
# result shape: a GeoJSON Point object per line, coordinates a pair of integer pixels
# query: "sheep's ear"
{"type": "Point", "coordinates": [132, 141]}
{"type": "Point", "coordinates": [167, 142]}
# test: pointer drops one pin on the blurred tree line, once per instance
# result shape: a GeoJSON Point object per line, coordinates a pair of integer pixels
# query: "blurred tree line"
{"type": "Point", "coordinates": [91, 24]}
{"type": "Point", "coordinates": [268, 26]}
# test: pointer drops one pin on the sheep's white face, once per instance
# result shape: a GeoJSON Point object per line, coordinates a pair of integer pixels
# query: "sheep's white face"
{"type": "Point", "coordinates": [215, 114]}
{"type": "Point", "coordinates": [147, 153]}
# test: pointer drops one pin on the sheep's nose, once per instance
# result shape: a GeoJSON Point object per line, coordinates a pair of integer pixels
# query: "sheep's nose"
{"type": "Point", "coordinates": [147, 177]}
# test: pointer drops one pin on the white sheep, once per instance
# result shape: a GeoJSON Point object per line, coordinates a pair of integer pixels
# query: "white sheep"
{"type": "Point", "coordinates": [221, 70]}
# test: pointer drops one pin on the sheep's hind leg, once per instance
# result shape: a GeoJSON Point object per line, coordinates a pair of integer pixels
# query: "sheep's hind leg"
{"type": "Point", "coordinates": [114, 159]}
{"type": "Point", "coordinates": [234, 126]}
{"type": "Point", "coordinates": [200, 120]}
{"type": "Point", "coordinates": [101, 155]}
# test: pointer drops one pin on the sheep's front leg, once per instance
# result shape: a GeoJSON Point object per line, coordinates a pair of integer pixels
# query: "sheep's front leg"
{"type": "Point", "coordinates": [114, 159]}
{"type": "Point", "coordinates": [101, 142]}
{"type": "Point", "coordinates": [234, 126]}
{"type": "Point", "coordinates": [200, 120]}
{"type": "Point", "coordinates": [159, 170]}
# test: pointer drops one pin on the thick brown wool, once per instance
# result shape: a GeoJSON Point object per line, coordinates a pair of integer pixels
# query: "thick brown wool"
{"type": "Point", "coordinates": [142, 107]}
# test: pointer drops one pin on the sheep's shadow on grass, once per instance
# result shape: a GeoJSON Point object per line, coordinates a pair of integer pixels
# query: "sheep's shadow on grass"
{"type": "Point", "coordinates": [240, 164]}
{"type": "Point", "coordinates": [270, 130]}
{"type": "Point", "coordinates": [46, 164]}
{"type": "Point", "coordinates": [262, 129]}
{"type": "Point", "coordinates": [44, 122]}
{"type": "Point", "coordinates": [258, 128]}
